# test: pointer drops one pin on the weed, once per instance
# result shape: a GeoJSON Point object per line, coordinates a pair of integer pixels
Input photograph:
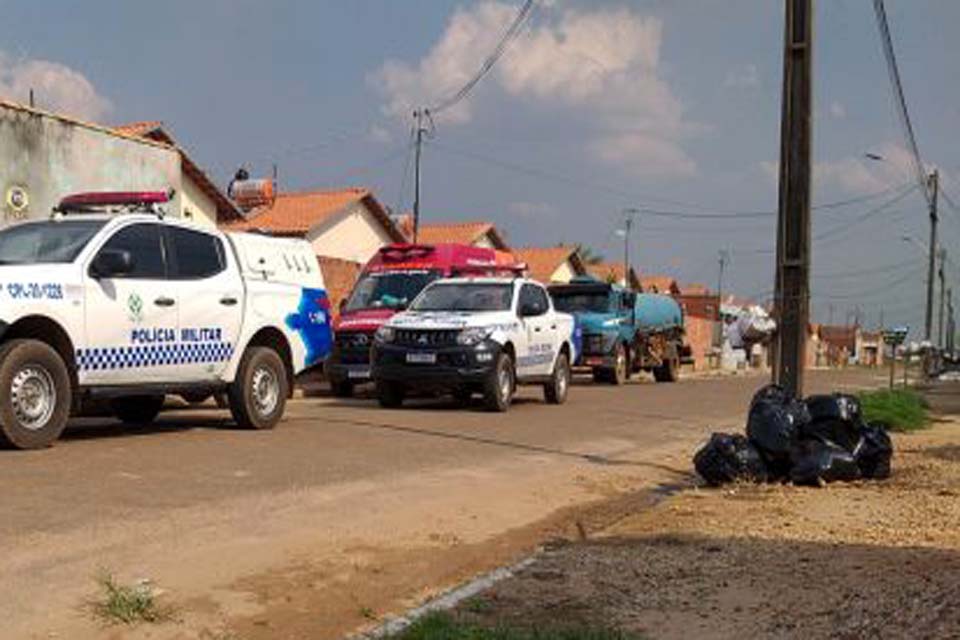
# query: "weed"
{"type": "Point", "coordinates": [368, 613]}
{"type": "Point", "coordinates": [478, 604]}
{"type": "Point", "coordinates": [898, 409]}
{"type": "Point", "coordinates": [128, 604]}
{"type": "Point", "coordinates": [444, 626]}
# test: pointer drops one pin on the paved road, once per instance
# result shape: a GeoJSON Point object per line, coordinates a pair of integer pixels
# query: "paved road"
{"type": "Point", "coordinates": [200, 506]}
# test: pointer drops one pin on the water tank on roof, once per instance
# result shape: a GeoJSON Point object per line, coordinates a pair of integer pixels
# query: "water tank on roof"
{"type": "Point", "coordinates": [250, 194]}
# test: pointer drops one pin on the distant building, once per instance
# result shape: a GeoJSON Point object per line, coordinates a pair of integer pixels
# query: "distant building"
{"type": "Point", "coordinates": [701, 311]}
{"type": "Point", "coordinates": [613, 272]}
{"type": "Point", "coordinates": [200, 199]}
{"type": "Point", "coordinates": [659, 284]}
{"type": "Point", "coordinates": [348, 224]}
{"type": "Point", "coordinates": [552, 264]}
{"type": "Point", "coordinates": [476, 234]}
{"type": "Point", "coordinates": [839, 344]}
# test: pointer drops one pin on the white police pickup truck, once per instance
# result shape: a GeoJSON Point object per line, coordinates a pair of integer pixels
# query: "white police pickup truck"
{"type": "Point", "coordinates": [476, 335]}
{"type": "Point", "coordinates": [102, 308]}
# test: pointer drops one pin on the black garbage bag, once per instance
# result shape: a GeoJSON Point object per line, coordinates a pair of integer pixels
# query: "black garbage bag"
{"type": "Point", "coordinates": [815, 463]}
{"type": "Point", "coordinates": [845, 433]}
{"type": "Point", "coordinates": [874, 451]}
{"type": "Point", "coordinates": [729, 457]}
{"type": "Point", "coordinates": [836, 406]}
{"type": "Point", "coordinates": [774, 422]}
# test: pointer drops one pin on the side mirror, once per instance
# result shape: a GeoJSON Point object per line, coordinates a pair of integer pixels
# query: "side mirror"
{"type": "Point", "coordinates": [111, 263]}
{"type": "Point", "coordinates": [342, 305]}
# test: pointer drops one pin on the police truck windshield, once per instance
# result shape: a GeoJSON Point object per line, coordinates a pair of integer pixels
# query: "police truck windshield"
{"type": "Point", "coordinates": [389, 290]}
{"type": "Point", "coordinates": [47, 242]}
{"type": "Point", "coordinates": [465, 297]}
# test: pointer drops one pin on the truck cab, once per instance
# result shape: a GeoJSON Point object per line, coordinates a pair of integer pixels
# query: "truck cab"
{"type": "Point", "coordinates": [387, 285]}
{"type": "Point", "coordinates": [624, 332]}
{"type": "Point", "coordinates": [476, 335]}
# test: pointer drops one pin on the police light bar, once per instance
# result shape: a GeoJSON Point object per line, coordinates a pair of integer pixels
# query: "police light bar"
{"type": "Point", "coordinates": [95, 199]}
{"type": "Point", "coordinates": [403, 252]}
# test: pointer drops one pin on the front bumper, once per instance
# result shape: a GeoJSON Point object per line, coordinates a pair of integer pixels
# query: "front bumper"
{"type": "Point", "coordinates": [453, 367]}
{"type": "Point", "coordinates": [350, 358]}
{"type": "Point", "coordinates": [597, 350]}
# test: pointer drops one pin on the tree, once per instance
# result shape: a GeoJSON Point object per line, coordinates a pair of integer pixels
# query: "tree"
{"type": "Point", "coordinates": [588, 255]}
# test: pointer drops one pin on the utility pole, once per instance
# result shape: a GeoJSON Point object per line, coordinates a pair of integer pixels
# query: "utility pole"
{"type": "Point", "coordinates": [419, 115]}
{"type": "Point", "coordinates": [627, 226]}
{"type": "Point", "coordinates": [792, 283]}
{"type": "Point", "coordinates": [943, 292]}
{"type": "Point", "coordinates": [951, 328]}
{"type": "Point", "coordinates": [723, 257]}
{"type": "Point", "coordinates": [933, 185]}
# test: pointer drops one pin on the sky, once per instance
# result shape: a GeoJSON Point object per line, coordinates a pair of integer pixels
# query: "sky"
{"type": "Point", "coordinates": [597, 107]}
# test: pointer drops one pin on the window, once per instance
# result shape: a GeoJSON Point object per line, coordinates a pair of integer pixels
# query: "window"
{"type": "Point", "coordinates": [143, 241]}
{"type": "Point", "coordinates": [472, 296]}
{"type": "Point", "coordinates": [389, 290]}
{"type": "Point", "coordinates": [534, 298]}
{"type": "Point", "coordinates": [195, 254]}
{"type": "Point", "coordinates": [56, 241]}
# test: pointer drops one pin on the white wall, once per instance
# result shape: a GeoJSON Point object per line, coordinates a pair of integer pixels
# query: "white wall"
{"type": "Point", "coordinates": [196, 205]}
{"type": "Point", "coordinates": [564, 273]}
{"type": "Point", "coordinates": [354, 234]}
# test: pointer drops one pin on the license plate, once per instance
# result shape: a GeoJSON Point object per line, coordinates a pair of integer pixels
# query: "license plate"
{"type": "Point", "coordinates": [593, 361]}
{"type": "Point", "coordinates": [421, 358]}
{"type": "Point", "coordinates": [359, 373]}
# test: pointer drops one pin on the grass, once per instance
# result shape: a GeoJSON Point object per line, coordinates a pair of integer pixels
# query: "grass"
{"type": "Point", "coordinates": [444, 626]}
{"type": "Point", "coordinates": [898, 409]}
{"type": "Point", "coordinates": [125, 604]}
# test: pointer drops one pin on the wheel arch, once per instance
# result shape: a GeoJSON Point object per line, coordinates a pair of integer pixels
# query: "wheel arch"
{"type": "Point", "coordinates": [50, 332]}
{"type": "Point", "coordinates": [274, 338]}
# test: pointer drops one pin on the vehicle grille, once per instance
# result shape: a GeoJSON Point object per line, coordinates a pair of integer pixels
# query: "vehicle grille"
{"type": "Point", "coordinates": [594, 344]}
{"type": "Point", "coordinates": [353, 347]}
{"type": "Point", "coordinates": [426, 338]}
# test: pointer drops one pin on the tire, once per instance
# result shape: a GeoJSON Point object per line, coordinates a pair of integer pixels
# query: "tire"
{"type": "Point", "coordinates": [390, 395]}
{"type": "Point", "coordinates": [258, 394]}
{"type": "Point", "coordinates": [136, 410]}
{"type": "Point", "coordinates": [555, 391]}
{"type": "Point", "coordinates": [499, 386]}
{"type": "Point", "coordinates": [669, 370]}
{"type": "Point", "coordinates": [341, 388]}
{"type": "Point", "coordinates": [620, 371]}
{"type": "Point", "coordinates": [35, 394]}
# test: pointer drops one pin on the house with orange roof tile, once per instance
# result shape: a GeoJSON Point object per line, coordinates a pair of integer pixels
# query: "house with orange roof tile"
{"type": "Point", "coordinates": [474, 233]}
{"type": "Point", "coordinates": [552, 264]}
{"type": "Point", "coordinates": [349, 224]}
{"type": "Point", "coordinates": [613, 272]}
{"type": "Point", "coordinates": [660, 284]}
{"type": "Point", "coordinates": [200, 198]}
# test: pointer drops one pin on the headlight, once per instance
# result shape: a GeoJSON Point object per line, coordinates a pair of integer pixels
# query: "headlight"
{"type": "Point", "coordinates": [613, 322]}
{"type": "Point", "coordinates": [385, 334]}
{"type": "Point", "coordinates": [473, 336]}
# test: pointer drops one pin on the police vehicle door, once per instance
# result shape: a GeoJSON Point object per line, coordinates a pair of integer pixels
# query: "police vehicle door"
{"type": "Point", "coordinates": [534, 305]}
{"type": "Point", "coordinates": [130, 311]}
{"type": "Point", "coordinates": [211, 300]}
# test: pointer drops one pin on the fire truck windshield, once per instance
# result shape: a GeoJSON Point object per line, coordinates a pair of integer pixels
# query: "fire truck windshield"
{"type": "Point", "coordinates": [389, 289]}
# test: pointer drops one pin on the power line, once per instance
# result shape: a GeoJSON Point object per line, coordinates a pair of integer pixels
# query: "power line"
{"type": "Point", "coordinates": [866, 271]}
{"type": "Point", "coordinates": [508, 37]}
{"type": "Point", "coordinates": [899, 99]}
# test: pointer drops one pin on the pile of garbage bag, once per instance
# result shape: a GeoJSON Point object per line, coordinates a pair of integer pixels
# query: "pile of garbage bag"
{"type": "Point", "coordinates": [819, 439]}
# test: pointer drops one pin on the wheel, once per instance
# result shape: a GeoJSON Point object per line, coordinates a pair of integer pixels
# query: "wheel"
{"type": "Point", "coordinates": [341, 388]}
{"type": "Point", "coordinates": [35, 394]}
{"type": "Point", "coordinates": [137, 409]}
{"type": "Point", "coordinates": [196, 397]}
{"type": "Point", "coordinates": [259, 392]}
{"type": "Point", "coordinates": [390, 394]}
{"type": "Point", "coordinates": [618, 374]}
{"type": "Point", "coordinates": [555, 391]}
{"type": "Point", "coordinates": [499, 385]}
{"type": "Point", "coordinates": [463, 396]}
{"type": "Point", "coordinates": [669, 370]}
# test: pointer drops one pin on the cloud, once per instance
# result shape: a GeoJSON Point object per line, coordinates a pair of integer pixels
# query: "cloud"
{"type": "Point", "coordinates": [602, 65]}
{"type": "Point", "coordinates": [857, 174]}
{"type": "Point", "coordinates": [56, 87]}
{"type": "Point", "coordinates": [744, 77]}
{"type": "Point", "coordinates": [837, 110]}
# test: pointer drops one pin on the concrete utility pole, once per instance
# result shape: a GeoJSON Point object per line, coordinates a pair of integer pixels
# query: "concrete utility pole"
{"type": "Point", "coordinates": [419, 115]}
{"type": "Point", "coordinates": [933, 185]}
{"type": "Point", "coordinates": [792, 283]}
{"type": "Point", "coordinates": [943, 293]}
{"type": "Point", "coordinates": [951, 327]}
{"type": "Point", "coordinates": [627, 226]}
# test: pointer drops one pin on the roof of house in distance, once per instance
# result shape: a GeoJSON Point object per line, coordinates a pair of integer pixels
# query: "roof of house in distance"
{"type": "Point", "coordinates": [460, 233]}
{"type": "Point", "coordinates": [542, 262]}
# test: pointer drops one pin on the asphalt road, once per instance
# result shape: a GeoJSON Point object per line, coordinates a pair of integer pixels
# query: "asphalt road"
{"type": "Point", "coordinates": [191, 502]}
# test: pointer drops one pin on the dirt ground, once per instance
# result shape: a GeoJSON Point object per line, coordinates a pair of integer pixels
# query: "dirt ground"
{"type": "Point", "coordinates": [859, 560]}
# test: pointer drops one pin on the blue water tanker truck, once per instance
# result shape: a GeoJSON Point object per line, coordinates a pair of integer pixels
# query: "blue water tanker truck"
{"type": "Point", "coordinates": [624, 332]}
